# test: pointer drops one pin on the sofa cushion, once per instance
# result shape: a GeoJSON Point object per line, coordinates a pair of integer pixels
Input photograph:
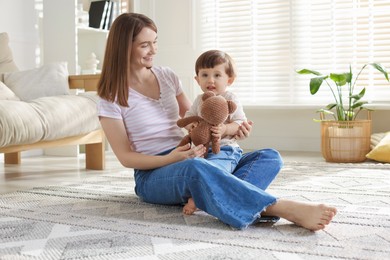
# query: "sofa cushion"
{"type": "Point", "coordinates": [381, 151]}
{"type": "Point", "coordinates": [47, 118]}
{"type": "Point", "coordinates": [6, 93]}
{"type": "Point", "coordinates": [375, 139]}
{"type": "Point", "coordinates": [48, 80]}
{"type": "Point", "coordinates": [19, 124]}
{"type": "Point", "coordinates": [67, 115]}
{"type": "Point", "coordinates": [7, 63]}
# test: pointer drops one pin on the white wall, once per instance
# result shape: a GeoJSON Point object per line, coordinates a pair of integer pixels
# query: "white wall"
{"type": "Point", "coordinates": [294, 129]}
{"type": "Point", "coordinates": [177, 46]}
{"type": "Point", "coordinates": [19, 19]}
{"type": "Point", "coordinates": [59, 41]}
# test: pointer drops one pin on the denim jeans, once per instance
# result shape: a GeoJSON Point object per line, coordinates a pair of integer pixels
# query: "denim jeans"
{"type": "Point", "coordinates": [228, 185]}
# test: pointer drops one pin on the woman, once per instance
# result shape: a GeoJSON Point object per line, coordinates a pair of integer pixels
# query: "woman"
{"type": "Point", "coordinates": [138, 109]}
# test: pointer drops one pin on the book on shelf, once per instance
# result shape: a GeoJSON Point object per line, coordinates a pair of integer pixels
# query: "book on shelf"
{"type": "Point", "coordinates": [109, 16]}
{"type": "Point", "coordinates": [100, 14]}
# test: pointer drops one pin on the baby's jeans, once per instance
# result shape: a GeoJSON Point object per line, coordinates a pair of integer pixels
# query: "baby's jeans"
{"type": "Point", "coordinates": [230, 186]}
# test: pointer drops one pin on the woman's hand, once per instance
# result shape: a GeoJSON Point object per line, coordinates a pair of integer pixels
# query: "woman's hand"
{"type": "Point", "coordinates": [244, 130]}
{"type": "Point", "coordinates": [187, 152]}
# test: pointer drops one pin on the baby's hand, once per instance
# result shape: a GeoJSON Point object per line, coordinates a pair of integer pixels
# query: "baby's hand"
{"type": "Point", "coordinates": [218, 130]}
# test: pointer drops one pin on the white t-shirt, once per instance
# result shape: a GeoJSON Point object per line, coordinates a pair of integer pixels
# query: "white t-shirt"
{"type": "Point", "coordinates": [238, 116]}
{"type": "Point", "coordinates": [150, 124]}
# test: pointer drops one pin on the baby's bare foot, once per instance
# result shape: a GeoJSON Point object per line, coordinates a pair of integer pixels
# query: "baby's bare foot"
{"type": "Point", "coordinates": [190, 207]}
{"type": "Point", "coordinates": [311, 216]}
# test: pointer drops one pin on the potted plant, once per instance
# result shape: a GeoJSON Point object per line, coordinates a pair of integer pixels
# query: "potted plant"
{"type": "Point", "coordinates": [345, 138]}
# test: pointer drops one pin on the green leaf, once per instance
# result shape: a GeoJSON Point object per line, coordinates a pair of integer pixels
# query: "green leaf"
{"type": "Point", "coordinates": [315, 84]}
{"type": "Point", "coordinates": [325, 111]}
{"type": "Point", "coordinates": [331, 106]}
{"type": "Point", "coordinates": [358, 104]}
{"type": "Point", "coordinates": [307, 71]}
{"type": "Point", "coordinates": [381, 69]}
{"type": "Point", "coordinates": [348, 77]}
{"type": "Point", "coordinates": [339, 79]}
{"type": "Point", "coordinates": [359, 96]}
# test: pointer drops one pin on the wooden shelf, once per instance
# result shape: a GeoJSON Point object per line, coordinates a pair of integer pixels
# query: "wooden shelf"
{"type": "Point", "coordinates": [86, 82]}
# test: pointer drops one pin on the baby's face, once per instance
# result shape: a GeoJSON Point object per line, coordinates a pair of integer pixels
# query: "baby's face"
{"type": "Point", "coordinates": [214, 79]}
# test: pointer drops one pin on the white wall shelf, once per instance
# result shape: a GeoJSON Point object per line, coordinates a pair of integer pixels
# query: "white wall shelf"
{"type": "Point", "coordinates": [89, 30]}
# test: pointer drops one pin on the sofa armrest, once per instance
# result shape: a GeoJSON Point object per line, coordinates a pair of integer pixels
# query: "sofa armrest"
{"type": "Point", "coordinates": [86, 82]}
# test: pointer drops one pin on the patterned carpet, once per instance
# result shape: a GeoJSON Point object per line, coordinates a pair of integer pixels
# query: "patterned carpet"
{"type": "Point", "coordinates": [101, 218]}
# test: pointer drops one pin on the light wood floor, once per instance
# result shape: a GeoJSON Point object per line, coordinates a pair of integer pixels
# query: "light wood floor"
{"type": "Point", "coordinates": [51, 170]}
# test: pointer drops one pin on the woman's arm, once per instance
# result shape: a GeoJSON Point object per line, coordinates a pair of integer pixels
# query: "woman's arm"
{"type": "Point", "coordinates": [184, 107]}
{"type": "Point", "coordinates": [184, 104]}
{"type": "Point", "coordinates": [115, 132]}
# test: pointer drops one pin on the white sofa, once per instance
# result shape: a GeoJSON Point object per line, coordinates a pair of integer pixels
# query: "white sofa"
{"type": "Point", "coordinates": [37, 110]}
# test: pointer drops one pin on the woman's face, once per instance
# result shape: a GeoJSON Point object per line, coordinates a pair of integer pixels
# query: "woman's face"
{"type": "Point", "coordinates": [144, 48]}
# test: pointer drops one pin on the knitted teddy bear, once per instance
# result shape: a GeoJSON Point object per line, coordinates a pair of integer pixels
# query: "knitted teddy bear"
{"type": "Point", "coordinates": [214, 111]}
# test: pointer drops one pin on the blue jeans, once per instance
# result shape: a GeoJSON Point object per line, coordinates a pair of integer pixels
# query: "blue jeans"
{"type": "Point", "coordinates": [228, 185]}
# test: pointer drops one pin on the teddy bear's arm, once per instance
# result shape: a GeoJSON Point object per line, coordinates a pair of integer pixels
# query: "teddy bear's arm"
{"type": "Point", "coordinates": [186, 140]}
{"type": "Point", "coordinates": [215, 144]}
{"type": "Point", "coordinates": [182, 122]}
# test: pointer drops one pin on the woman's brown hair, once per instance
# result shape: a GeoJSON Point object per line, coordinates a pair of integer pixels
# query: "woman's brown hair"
{"type": "Point", "coordinates": [113, 82]}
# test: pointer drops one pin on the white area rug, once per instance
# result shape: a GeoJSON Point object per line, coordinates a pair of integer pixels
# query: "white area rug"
{"type": "Point", "coordinates": [101, 218]}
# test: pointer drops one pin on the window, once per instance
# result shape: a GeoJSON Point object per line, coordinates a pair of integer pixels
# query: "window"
{"type": "Point", "coordinates": [270, 39]}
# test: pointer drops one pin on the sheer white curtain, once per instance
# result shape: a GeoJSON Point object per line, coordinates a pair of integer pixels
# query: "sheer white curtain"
{"type": "Point", "coordinates": [270, 39]}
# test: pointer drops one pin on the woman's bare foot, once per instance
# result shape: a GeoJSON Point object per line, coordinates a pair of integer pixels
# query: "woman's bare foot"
{"type": "Point", "coordinates": [311, 216]}
{"type": "Point", "coordinates": [190, 207]}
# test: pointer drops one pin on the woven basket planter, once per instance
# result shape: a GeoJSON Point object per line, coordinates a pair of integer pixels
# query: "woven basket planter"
{"type": "Point", "coordinates": [345, 141]}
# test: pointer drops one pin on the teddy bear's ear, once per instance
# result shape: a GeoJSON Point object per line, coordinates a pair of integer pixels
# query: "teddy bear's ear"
{"type": "Point", "coordinates": [207, 94]}
{"type": "Point", "coordinates": [231, 106]}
